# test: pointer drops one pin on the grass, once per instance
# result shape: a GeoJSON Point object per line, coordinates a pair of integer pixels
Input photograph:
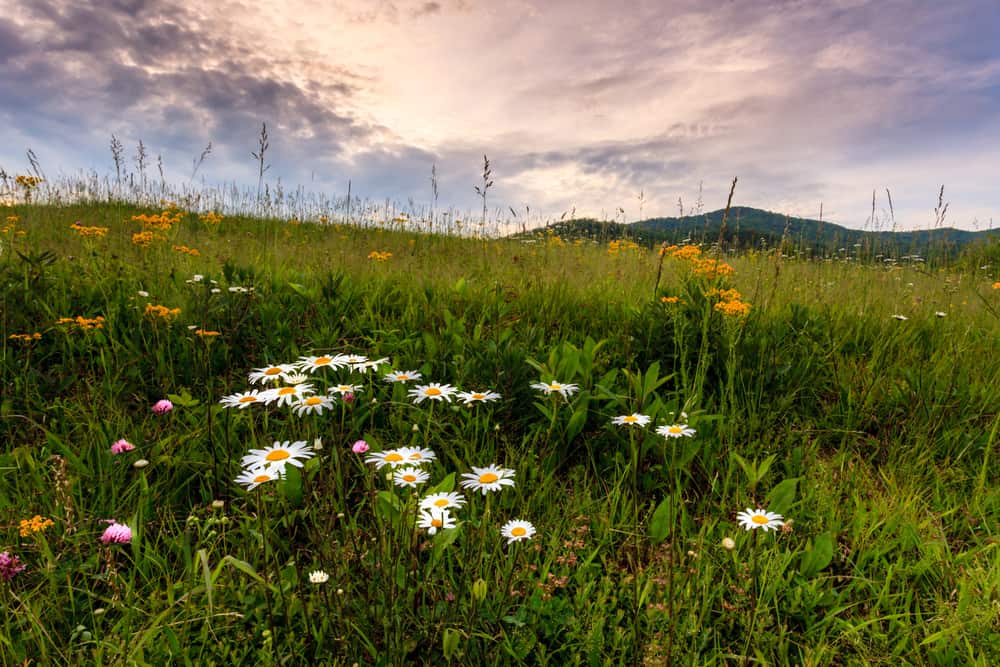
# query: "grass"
{"type": "Point", "coordinates": [875, 437]}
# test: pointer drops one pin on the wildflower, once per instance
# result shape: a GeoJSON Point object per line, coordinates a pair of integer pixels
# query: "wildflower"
{"type": "Point", "coordinates": [313, 364]}
{"type": "Point", "coordinates": [676, 431]}
{"type": "Point", "coordinates": [278, 455]}
{"type": "Point", "coordinates": [469, 397]}
{"type": "Point", "coordinates": [517, 530]}
{"type": "Point", "coordinates": [404, 376]}
{"type": "Point", "coordinates": [162, 407]}
{"type": "Point", "coordinates": [268, 373]}
{"type": "Point", "coordinates": [354, 360]}
{"type": "Point", "coordinates": [670, 299]}
{"type": "Point", "coordinates": [242, 400]}
{"type": "Point", "coordinates": [10, 566]}
{"type": "Point", "coordinates": [901, 318]}
{"type": "Point", "coordinates": [286, 395]}
{"type": "Point", "coordinates": [344, 389]}
{"type": "Point", "coordinates": [435, 518]}
{"type": "Point", "coordinates": [410, 477]}
{"type": "Point", "coordinates": [254, 478]}
{"type": "Point", "coordinates": [162, 311]}
{"type": "Point", "coordinates": [996, 285]}
{"type": "Point", "coordinates": [754, 519]}
{"type": "Point", "coordinates": [296, 378]}
{"type": "Point", "coordinates": [566, 390]}
{"type": "Point", "coordinates": [490, 478]}
{"type": "Point", "coordinates": [940, 314]}
{"type": "Point", "coordinates": [432, 391]}
{"type": "Point", "coordinates": [122, 446]}
{"type": "Point", "coordinates": [416, 455]}
{"type": "Point", "coordinates": [143, 293]}
{"type": "Point", "coordinates": [442, 501]}
{"type": "Point", "coordinates": [390, 457]}
{"type": "Point", "coordinates": [634, 419]}
{"type": "Point", "coordinates": [360, 447]}
{"type": "Point", "coordinates": [35, 524]}
{"type": "Point", "coordinates": [318, 577]}
{"type": "Point", "coordinates": [311, 404]}
{"type": "Point", "coordinates": [379, 256]}
{"type": "Point", "coordinates": [370, 365]}
{"type": "Point", "coordinates": [204, 333]}
{"type": "Point", "coordinates": [117, 533]}
{"type": "Point", "coordinates": [26, 337]}
{"type": "Point", "coordinates": [140, 463]}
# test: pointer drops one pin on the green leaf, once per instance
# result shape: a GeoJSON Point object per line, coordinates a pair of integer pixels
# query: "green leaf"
{"type": "Point", "coordinates": [442, 541]}
{"type": "Point", "coordinates": [292, 486]}
{"type": "Point", "coordinates": [782, 496]}
{"type": "Point", "coordinates": [387, 505]}
{"type": "Point", "coordinates": [818, 556]}
{"type": "Point", "coordinates": [445, 485]}
{"type": "Point", "coordinates": [659, 525]}
{"type": "Point", "coordinates": [576, 422]}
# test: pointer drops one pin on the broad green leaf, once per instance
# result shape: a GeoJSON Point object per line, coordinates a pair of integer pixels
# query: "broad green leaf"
{"type": "Point", "coordinates": [782, 496]}
{"type": "Point", "coordinates": [659, 525]}
{"type": "Point", "coordinates": [818, 556]}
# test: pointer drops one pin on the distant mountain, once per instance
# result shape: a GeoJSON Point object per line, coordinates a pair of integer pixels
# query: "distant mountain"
{"type": "Point", "coordinates": [754, 228]}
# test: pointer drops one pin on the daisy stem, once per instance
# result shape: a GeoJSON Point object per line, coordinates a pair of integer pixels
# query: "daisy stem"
{"type": "Point", "coordinates": [755, 598]}
{"type": "Point", "coordinates": [267, 576]}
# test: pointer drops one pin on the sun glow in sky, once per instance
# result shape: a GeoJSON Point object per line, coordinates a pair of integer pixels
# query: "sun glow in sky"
{"type": "Point", "coordinates": [578, 104]}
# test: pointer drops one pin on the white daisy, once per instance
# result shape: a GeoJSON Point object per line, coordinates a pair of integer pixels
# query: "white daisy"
{"type": "Point", "coordinates": [754, 519]}
{"type": "Point", "coordinates": [269, 373]}
{"type": "Point", "coordinates": [370, 365]}
{"type": "Point", "coordinates": [634, 419]}
{"type": "Point", "coordinates": [345, 389]}
{"type": "Point", "coordinates": [288, 394]}
{"type": "Point", "coordinates": [434, 519]}
{"type": "Point", "coordinates": [296, 378]}
{"type": "Point", "coordinates": [469, 397]}
{"type": "Point", "coordinates": [416, 455]}
{"type": "Point", "coordinates": [313, 364]}
{"type": "Point", "coordinates": [410, 477]}
{"type": "Point", "coordinates": [490, 478]}
{"type": "Point", "coordinates": [402, 376]}
{"type": "Point", "coordinates": [387, 457]}
{"type": "Point", "coordinates": [566, 390]}
{"type": "Point", "coordinates": [242, 400]}
{"type": "Point", "coordinates": [444, 500]}
{"type": "Point", "coordinates": [432, 391]}
{"type": "Point", "coordinates": [517, 530]}
{"type": "Point", "coordinates": [902, 318]}
{"type": "Point", "coordinates": [278, 455]}
{"type": "Point", "coordinates": [940, 313]}
{"type": "Point", "coordinates": [310, 404]}
{"type": "Point", "coordinates": [255, 477]}
{"type": "Point", "coordinates": [318, 577]}
{"type": "Point", "coordinates": [352, 360]}
{"type": "Point", "coordinates": [676, 431]}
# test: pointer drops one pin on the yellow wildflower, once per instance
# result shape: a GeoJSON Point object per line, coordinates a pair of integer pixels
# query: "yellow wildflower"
{"type": "Point", "coordinates": [35, 524]}
{"type": "Point", "coordinates": [379, 256]}
{"type": "Point", "coordinates": [162, 311]}
{"type": "Point", "coordinates": [26, 337]}
{"type": "Point", "coordinates": [206, 334]}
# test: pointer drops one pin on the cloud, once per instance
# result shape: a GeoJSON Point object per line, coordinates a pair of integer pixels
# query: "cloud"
{"type": "Point", "coordinates": [576, 103]}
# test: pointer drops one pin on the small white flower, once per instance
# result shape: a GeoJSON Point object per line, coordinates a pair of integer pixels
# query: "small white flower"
{"type": "Point", "coordinates": [517, 530]}
{"type": "Point", "coordinates": [902, 318]}
{"type": "Point", "coordinates": [432, 391]}
{"type": "Point", "coordinates": [565, 389]}
{"type": "Point", "coordinates": [754, 519]}
{"type": "Point", "coordinates": [470, 397]}
{"type": "Point", "coordinates": [490, 478]}
{"type": "Point", "coordinates": [318, 577]}
{"type": "Point", "coordinates": [444, 500]}
{"type": "Point", "coordinates": [676, 431]}
{"type": "Point", "coordinates": [940, 314]}
{"type": "Point", "coordinates": [634, 419]}
{"type": "Point", "coordinates": [402, 376]}
{"type": "Point", "coordinates": [434, 519]}
{"type": "Point", "coordinates": [410, 477]}
{"type": "Point", "coordinates": [728, 544]}
{"type": "Point", "coordinates": [143, 293]}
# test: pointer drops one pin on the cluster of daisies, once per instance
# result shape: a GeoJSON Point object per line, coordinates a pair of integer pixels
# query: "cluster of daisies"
{"type": "Point", "coordinates": [290, 385]}
{"type": "Point", "coordinates": [436, 509]}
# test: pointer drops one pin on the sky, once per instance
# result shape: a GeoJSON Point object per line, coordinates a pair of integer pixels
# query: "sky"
{"type": "Point", "coordinates": [580, 105]}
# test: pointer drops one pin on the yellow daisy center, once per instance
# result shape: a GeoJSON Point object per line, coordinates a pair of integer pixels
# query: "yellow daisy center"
{"type": "Point", "coordinates": [631, 419]}
{"type": "Point", "coordinates": [555, 387]}
{"type": "Point", "coordinates": [675, 429]}
{"type": "Point", "coordinates": [519, 531]}
{"type": "Point", "coordinates": [322, 361]}
{"type": "Point", "coordinates": [343, 387]}
{"type": "Point", "coordinates": [416, 456]}
{"type": "Point", "coordinates": [409, 478]}
{"type": "Point", "coordinates": [759, 519]}
{"type": "Point", "coordinates": [402, 377]}
{"type": "Point", "coordinates": [441, 502]}
{"type": "Point", "coordinates": [273, 371]}
{"type": "Point", "coordinates": [478, 397]}
{"type": "Point", "coordinates": [487, 478]}
{"type": "Point", "coordinates": [277, 455]}
{"type": "Point", "coordinates": [285, 391]}
{"type": "Point", "coordinates": [393, 457]}
{"type": "Point", "coordinates": [247, 399]}
{"type": "Point", "coordinates": [437, 523]}
{"type": "Point", "coordinates": [432, 391]}
{"type": "Point", "coordinates": [313, 400]}
{"type": "Point", "coordinates": [260, 479]}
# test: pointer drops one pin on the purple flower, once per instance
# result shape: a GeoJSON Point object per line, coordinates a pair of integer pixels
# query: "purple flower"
{"type": "Point", "coordinates": [359, 447]}
{"type": "Point", "coordinates": [117, 533]}
{"type": "Point", "coordinates": [162, 407]}
{"type": "Point", "coordinates": [9, 566]}
{"type": "Point", "coordinates": [122, 446]}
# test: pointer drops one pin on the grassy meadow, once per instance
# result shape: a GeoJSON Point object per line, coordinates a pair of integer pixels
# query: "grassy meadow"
{"type": "Point", "coordinates": [858, 401]}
